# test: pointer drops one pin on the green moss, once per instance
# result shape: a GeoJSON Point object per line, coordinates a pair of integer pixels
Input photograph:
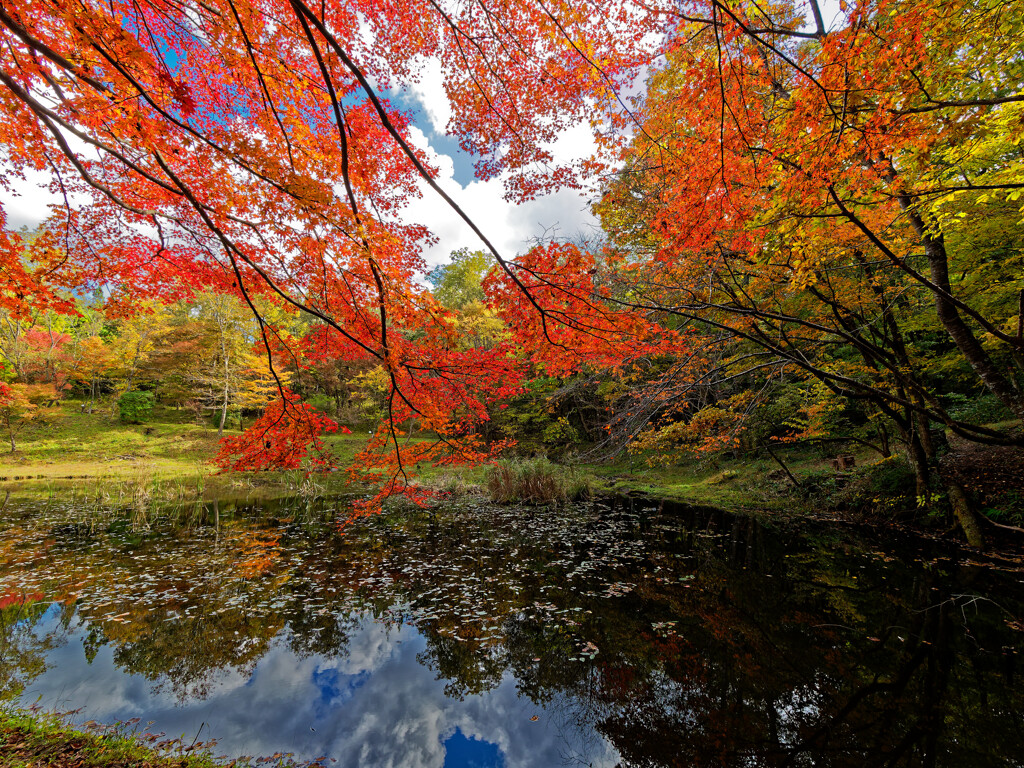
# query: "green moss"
{"type": "Point", "coordinates": [167, 459]}
{"type": "Point", "coordinates": [749, 483]}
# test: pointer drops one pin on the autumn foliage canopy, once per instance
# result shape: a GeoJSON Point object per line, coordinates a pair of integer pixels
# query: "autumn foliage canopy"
{"type": "Point", "coordinates": [786, 179]}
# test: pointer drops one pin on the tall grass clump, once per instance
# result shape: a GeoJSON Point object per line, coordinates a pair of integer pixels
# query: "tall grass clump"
{"type": "Point", "coordinates": [535, 481]}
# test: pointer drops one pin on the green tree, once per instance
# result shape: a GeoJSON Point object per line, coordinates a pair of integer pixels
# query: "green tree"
{"type": "Point", "coordinates": [135, 407]}
{"type": "Point", "coordinates": [460, 282]}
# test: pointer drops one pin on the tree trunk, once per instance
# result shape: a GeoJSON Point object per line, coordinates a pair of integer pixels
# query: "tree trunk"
{"type": "Point", "coordinates": [883, 440]}
{"type": "Point", "coordinates": [965, 514]}
{"type": "Point", "coordinates": [790, 475]}
{"type": "Point", "coordinates": [227, 382]}
{"type": "Point", "coordinates": [923, 426]}
{"type": "Point", "coordinates": [223, 411]}
{"type": "Point", "coordinates": [958, 330]}
{"type": "Point", "coordinates": [919, 461]}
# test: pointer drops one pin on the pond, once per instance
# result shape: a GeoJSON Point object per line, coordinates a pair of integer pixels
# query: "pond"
{"type": "Point", "coordinates": [619, 633]}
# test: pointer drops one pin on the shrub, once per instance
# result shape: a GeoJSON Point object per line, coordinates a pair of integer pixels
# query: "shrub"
{"type": "Point", "coordinates": [892, 477]}
{"type": "Point", "coordinates": [135, 407]}
{"type": "Point", "coordinates": [323, 403]}
{"type": "Point", "coordinates": [561, 432]}
{"type": "Point", "coordinates": [886, 489]}
{"type": "Point", "coordinates": [978, 409]}
{"type": "Point", "coordinates": [534, 481]}
{"type": "Point", "coordinates": [213, 417]}
{"type": "Point", "coordinates": [1007, 508]}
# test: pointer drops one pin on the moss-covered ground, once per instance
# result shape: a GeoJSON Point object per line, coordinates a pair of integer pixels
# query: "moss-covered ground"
{"type": "Point", "coordinates": [170, 458]}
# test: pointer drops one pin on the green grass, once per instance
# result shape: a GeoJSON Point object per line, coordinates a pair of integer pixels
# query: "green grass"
{"type": "Point", "coordinates": [748, 483]}
{"type": "Point", "coordinates": [39, 740]}
{"type": "Point", "coordinates": [535, 481]}
{"type": "Point", "coordinates": [30, 739]}
{"type": "Point", "coordinates": [170, 459]}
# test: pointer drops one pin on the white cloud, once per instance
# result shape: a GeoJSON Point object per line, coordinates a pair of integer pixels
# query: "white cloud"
{"type": "Point", "coordinates": [368, 648]}
{"type": "Point", "coordinates": [28, 200]}
{"type": "Point", "coordinates": [510, 227]}
{"type": "Point", "coordinates": [429, 92]}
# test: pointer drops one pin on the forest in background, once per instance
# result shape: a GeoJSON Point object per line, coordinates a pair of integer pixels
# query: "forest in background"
{"type": "Point", "coordinates": [202, 356]}
{"type": "Point", "coordinates": [811, 235]}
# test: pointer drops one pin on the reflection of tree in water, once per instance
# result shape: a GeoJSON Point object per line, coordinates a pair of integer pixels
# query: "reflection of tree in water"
{"type": "Point", "coordinates": [22, 649]}
{"type": "Point", "coordinates": [468, 669]}
{"type": "Point", "coordinates": [820, 657]}
{"type": "Point", "coordinates": [686, 637]}
{"type": "Point", "coordinates": [181, 606]}
{"type": "Point", "coordinates": [228, 620]}
{"type": "Point", "coordinates": [191, 654]}
{"type": "Point", "coordinates": [902, 704]}
{"type": "Point", "coordinates": [753, 675]}
{"type": "Point", "coordinates": [320, 634]}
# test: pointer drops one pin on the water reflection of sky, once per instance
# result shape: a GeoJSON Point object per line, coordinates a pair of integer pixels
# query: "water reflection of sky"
{"type": "Point", "coordinates": [375, 706]}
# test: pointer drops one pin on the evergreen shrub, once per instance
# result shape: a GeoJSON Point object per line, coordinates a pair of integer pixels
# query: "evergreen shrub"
{"type": "Point", "coordinates": [135, 407]}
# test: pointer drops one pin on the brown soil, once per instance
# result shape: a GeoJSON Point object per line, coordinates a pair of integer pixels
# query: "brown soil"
{"type": "Point", "coordinates": [992, 475]}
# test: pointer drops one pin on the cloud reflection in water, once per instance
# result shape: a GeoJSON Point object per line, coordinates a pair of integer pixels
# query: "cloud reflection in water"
{"type": "Point", "coordinates": [376, 706]}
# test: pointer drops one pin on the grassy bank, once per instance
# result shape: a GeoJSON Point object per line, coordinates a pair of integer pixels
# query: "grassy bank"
{"type": "Point", "coordinates": [170, 459]}
{"type": "Point", "coordinates": [45, 740]}
{"type": "Point", "coordinates": [167, 459]}
{"type": "Point", "coordinates": [35, 739]}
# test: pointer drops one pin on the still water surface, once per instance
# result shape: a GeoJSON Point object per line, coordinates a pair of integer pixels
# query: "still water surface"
{"type": "Point", "coordinates": [624, 633]}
